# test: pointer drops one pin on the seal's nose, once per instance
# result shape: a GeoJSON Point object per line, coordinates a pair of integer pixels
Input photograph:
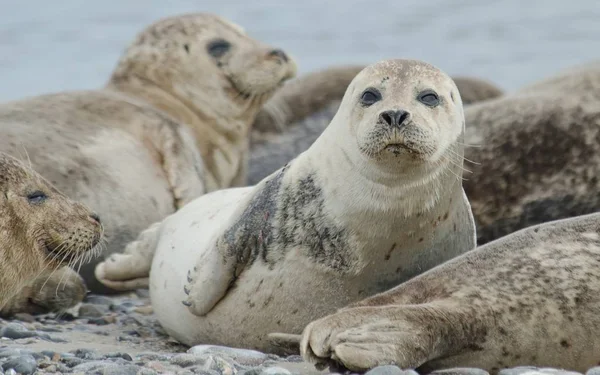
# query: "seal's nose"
{"type": "Point", "coordinates": [395, 119]}
{"type": "Point", "coordinates": [278, 53]}
{"type": "Point", "coordinates": [95, 218]}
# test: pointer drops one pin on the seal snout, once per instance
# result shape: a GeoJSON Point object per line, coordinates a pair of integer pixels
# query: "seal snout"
{"type": "Point", "coordinates": [95, 218]}
{"type": "Point", "coordinates": [394, 118]}
{"type": "Point", "coordinates": [279, 54]}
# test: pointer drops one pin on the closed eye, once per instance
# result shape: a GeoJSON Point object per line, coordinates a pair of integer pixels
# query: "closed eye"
{"type": "Point", "coordinates": [37, 197]}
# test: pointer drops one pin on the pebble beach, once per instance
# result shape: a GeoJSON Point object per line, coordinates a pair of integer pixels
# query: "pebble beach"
{"type": "Point", "coordinates": [120, 336]}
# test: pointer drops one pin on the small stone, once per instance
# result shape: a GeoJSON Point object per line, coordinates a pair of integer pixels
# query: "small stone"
{"type": "Point", "coordinates": [98, 300]}
{"type": "Point", "coordinates": [10, 372]}
{"type": "Point", "coordinates": [147, 371]}
{"type": "Point", "coordinates": [241, 356]}
{"type": "Point", "coordinates": [275, 371]}
{"type": "Point", "coordinates": [24, 317]}
{"type": "Point", "coordinates": [593, 371]}
{"type": "Point", "coordinates": [295, 358]}
{"type": "Point", "coordinates": [86, 353]}
{"type": "Point", "coordinates": [460, 371]}
{"type": "Point", "coordinates": [25, 364]}
{"type": "Point", "coordinates": [144, 310]}
{"type": "Point", "coordinates": [530, 370]}
{"type": "Point", "coordinates": [101, 321]}
{"type": "Point", "coordinates": [390, 370]}
{"type": "Point", "coordinates": [125, 356]}
{"type": "Point", "coordinates": [88, 310]}
{"type": "Point", "coordinates": [10, 352]}
{"type": "Point", "coordinates": [187, 360]}
{"type": "Point", "coordinates": [16, 331]}
{"type": "Point", "coordinates": [72, 361]}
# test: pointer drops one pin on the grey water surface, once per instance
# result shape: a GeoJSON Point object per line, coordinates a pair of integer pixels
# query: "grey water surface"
{"type": "Point", "coordinates": [48, 46]}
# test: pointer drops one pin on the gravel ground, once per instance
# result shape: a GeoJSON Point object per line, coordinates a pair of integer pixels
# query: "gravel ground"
{"type": "Point", "coordinates": [120, 336]}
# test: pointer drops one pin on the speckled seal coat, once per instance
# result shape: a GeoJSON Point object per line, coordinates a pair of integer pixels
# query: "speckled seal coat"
{"type": "Point", "coordinates": [375, 201]}
{"type": "Point", "coordinates": [536, 153]}
{"type": "Point", "coordinates": [530, 298]}
{"type": "Point", "coordinates": [171, 124]}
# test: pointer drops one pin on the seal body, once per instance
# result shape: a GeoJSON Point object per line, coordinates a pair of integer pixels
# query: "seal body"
{"type": "Point", "coordinates": [529, 298]}
{"type": "Point", "coordinates": [374, 201]}
{"type": "Point", "coordinates": [171, 124]}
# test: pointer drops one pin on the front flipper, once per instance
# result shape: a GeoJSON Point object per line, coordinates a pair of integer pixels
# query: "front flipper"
{"type": "Point", "coordinates": [209, 280]}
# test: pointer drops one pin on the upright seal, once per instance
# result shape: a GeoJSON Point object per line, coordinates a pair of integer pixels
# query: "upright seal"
{"type": "Point", "coordinates": [375, 200]}
{"type": "Point", "coordinates": [40, 230]}
{"type": "Point", "coordinates": [528, 299]}
{"type": "Point", "coordinates": [172, 123]}
{"type": "Point", "coordinates": [297, 114]}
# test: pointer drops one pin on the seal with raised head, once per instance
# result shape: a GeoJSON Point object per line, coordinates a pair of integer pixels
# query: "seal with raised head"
{"type": "Point", "coordinates": [533, 155]}
{"type": "Point", "coordinates": [299, 112]}
{"type": "Point", "coordinates": [527, 299]}
{"type": "Point", "coordinates": [172, 123]}
{"type": "Point", "coordinates": [375, 200]}
{"type": "Point", "coordinates": [41, 230]}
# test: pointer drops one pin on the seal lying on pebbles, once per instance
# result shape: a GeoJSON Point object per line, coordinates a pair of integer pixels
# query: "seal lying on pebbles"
{"type": "Point", "coordinates": [40, 228]}
{"type": "Point", "coordinates": [374, 201]}
{"type": "Point", "coordinates": [530, 298]}
{"type": "Point", "coordinates": [172, 123]}
{"type": "Point", "coordinates": [297, 114]}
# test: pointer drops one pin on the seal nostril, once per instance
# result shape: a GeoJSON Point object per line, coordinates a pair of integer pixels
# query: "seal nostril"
{"type": "Point", "coordinates": [386, 117]}
{"type": "Point", "coordinates": [402, 116]}
{"type": "Point", "coordinates": [394, 118]}
{"type": "Point", "coordinates": [279, 53]}
{"type": "Point", "coordinates": [95, 217]}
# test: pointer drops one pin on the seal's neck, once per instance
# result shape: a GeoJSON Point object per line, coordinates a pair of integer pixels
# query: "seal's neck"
{"type": "Point", "coordinates": [218, 137]}
{"type": "Point", "coordinates": [364, 189]}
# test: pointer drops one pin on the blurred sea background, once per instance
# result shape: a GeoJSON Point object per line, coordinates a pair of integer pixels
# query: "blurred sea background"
{"type": "Point", "coordinates": [48, 46]}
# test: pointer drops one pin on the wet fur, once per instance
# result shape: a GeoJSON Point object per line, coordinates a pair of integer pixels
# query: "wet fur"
{"type": "Point", "coordinates": [29, 231]}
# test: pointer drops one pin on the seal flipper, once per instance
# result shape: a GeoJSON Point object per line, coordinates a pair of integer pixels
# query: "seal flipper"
{"type": "Point", "coordinates": [242, 242]}
{"type": "Point", "coordinates": [211, 278]}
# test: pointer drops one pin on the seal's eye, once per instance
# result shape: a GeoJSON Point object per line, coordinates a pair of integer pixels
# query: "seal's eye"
{"type": "Point", "coordinates": [370, 96]}
{"type": "Point", "coordinates": [218, 48]}
{"type": "Point", "coordinates": [429, 97]}
{"type": "Point", "coordinates": [37, 197]}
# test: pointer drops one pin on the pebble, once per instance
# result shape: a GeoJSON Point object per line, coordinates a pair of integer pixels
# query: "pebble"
{"type": "Point", "coordinates": [593, 371]}
{"type": "Point", "coordinates": [241, 356]}
{"type": "Point", "coordinates": [530, 370]}
{"type": "Point", "coordinates": [390, 370]}
{"type": "Point", "coordinates": [88, 310]}
{"type": "Point", "coordinates": [460, 371]}
{"type": "Point", "coordinates": [25, 364]}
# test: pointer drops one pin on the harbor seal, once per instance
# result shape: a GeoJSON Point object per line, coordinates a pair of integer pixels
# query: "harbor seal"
{"type": "Point", "coordinates": [298, 112]}
{"type": "Point", "coordinates": [41, 229]}
{"type": "Point", "coordinates": [532, 155]}
{"type": "Point", "coordinates": [530, 298]}
{"type": "Point", "coordinates": [374, 201]}
{"type": "Point", "coordinates": [172, 123]}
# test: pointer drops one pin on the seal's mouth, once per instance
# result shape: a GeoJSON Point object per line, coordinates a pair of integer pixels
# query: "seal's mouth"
{"type": "Point", "coordinates": [65, 254]}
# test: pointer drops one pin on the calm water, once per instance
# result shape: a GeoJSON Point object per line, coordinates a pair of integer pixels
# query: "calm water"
{"type": "Point", "coordinates": [73, 44]}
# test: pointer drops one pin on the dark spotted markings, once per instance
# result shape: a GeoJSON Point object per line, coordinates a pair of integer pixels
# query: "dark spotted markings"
{"type": "Point", "coordinates": [282, 218]}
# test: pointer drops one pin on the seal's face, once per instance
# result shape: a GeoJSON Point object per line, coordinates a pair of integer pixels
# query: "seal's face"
{"type": "Point", "coordinates": [40, 227]}
{"type": "Point", "coordinates": [405, 110]}
{"type": "Point", "coordinates": [208, 62]}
